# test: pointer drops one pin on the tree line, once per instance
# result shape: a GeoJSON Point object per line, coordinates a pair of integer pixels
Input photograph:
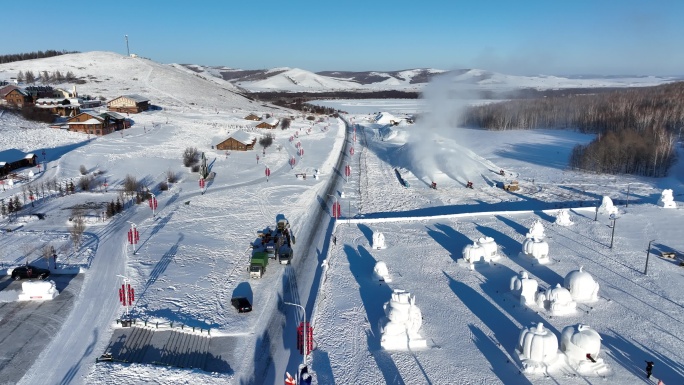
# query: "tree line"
{"type": "Point", "coordinates": [46, 77]}
{"type": "Point", "coordinates": [637, 128]}
{"type": "Point", "coordinates": [32, 55]}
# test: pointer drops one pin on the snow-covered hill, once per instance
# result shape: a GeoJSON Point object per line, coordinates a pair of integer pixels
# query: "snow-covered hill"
{"type": "Point", "coordinates": [108, 75]}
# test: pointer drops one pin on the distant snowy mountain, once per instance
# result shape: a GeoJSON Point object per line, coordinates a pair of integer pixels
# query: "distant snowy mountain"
{"type": "Point", "coordinates": [297, 80]}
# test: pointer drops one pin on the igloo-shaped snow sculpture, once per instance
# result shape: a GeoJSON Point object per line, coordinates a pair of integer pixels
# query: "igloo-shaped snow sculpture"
{"type": "Point", "coordinates": [536, 231]}
{"type": "Point", "coordinates": [399, 331]}
{"type": "Point", "coordinates": [536, 248]}
{"type": "Point", "coordinates": [38, 291]}
{"type": "Point", "coordinates": [381, 272]}
{"type": "Point", "coordinates": [607, 206]}
{"type": "Point", "coordinates": [525, 288]}
{"type": "Point", "coordinates": [582, 286]}
{"type": "Point", "coordinates": [560, 301]}
{"type": "Point", "coordinates": [537, 348]}
{"type": "Point", "coordinates": [378, 240]}
{"type": "Point", "coordinates": [563, 218]}
{"type": "Point", "coordinates": [667, 200]}
{"type": "Point", "coordinates": [582, 345]}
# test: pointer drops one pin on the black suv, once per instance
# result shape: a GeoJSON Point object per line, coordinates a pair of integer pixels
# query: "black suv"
{"type": "Point", "coordinates": [241, 304]}
{"type": "Point", "coordinates": [28, 271]}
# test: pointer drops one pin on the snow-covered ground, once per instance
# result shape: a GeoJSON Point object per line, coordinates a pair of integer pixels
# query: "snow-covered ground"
{"type": "Point", "coordinates": [193, 254]}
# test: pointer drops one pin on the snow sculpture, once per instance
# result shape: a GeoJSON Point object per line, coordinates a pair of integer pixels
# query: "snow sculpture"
{"type": "Point", "coordinates": [563, 218]}
{"type": "Point", "coordinates": [482, 250]}
{"type": "Point", "coordinates": [524, 287]}
{"type": "Point", "coordinates": [607, 207]}
{"type": "Point", "coordinates": [537, 348]}
{"type": "Point", "coordinates": [667, 200]}
{"type": "Point", "coordinates": [38, 291]}
{"type": "Point", "coordinates": [582, 286]}
{"type": "Point", "coordinates": [560, 301]}
{"type": "Point", "coordinates": [581, 345]}
{"type": "Point", "coordinates": [490, 248]}
{"type": "Point", "coordinates": [404, 319]}
{"type": "Point", "coordinates": [536, 231]}
{"type": "Point", "coordinates": [473, 253]}
{"type": "Point", "coordinates": [537, 248]}
{"type": "Point", "coordinates": [381, 273]}
{"type": "Point", "coordinates": [378, 240]}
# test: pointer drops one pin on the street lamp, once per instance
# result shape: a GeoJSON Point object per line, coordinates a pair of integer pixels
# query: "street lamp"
{"type": "Point", "coordinates": [612, 235]}
{"type": "Point", "coordinates": [648, 254]}
{"type": "Point", "coordinates": [305, 327]}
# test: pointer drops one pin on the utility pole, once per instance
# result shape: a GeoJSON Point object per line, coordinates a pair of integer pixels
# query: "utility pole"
{"type": "Point", "coordinates": [128, 51]}
{"type": "Point", "coordinates": [612, 235]}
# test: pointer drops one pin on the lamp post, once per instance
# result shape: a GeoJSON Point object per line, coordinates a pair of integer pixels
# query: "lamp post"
{"type": "Point", "coordinates": [648, 254]}
{"type": "Point", "coordinates": [305, 331]}
{"type": "Point", "coordinates": [612, 234]}
{"type": "Point", "coordinates": [596, 215]}
{"type": "Point", "coordinates": [627, 205]}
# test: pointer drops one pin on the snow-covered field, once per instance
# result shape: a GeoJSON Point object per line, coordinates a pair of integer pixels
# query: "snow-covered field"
{"type": "Point", "coordinates": [192, 256]}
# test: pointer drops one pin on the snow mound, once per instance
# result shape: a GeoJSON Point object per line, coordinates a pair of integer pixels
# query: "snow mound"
{"type": "Point", "coordinates": [381, 272]}
{"type": "Point", "coordinates": [38, 291]}
{"type": "Point", "coordinates": [667, 200]}
{"type": "Point", "coordinates": [607, 207]}
{"type": "Point", "coordinates": [563, 218]}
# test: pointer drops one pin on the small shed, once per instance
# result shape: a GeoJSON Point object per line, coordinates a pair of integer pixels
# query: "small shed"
{"type": "Point", "coordinates": [129, 103]}
{"type": "Point", "coordinates": [269, 123]}
{"type": "Point", "coordinates": [252, 117]}
{"type": "Point", "coordinates": [238, 141]}
{"type": "Point", "coordinates": [13, 159]}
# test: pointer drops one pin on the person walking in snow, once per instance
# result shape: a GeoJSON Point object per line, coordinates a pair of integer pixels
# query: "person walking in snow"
{"type": "Point", "coordinates": [649, 368]}
{"type": "Point", "coordinates": [334, 240]}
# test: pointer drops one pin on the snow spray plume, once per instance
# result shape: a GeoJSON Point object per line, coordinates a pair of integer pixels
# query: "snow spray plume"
{"type": "Point", "coordinates": [444, 106]}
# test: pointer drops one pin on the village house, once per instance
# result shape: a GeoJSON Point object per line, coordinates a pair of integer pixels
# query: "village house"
{"type": "Point", "coordinates": [59, 106]}
{"type": "Point", "coordinates": [13, 159]}
{"type": "Point", "coordinates": [37, 92]}
{"type": "Point", "coordinates": [15, 96]}
{"type": "Point", "coordinates": [269, 123]}
{"type": "Point", "coordinates": [238, 141]}
{"type": "Point", "coordinates": [98, 124]}
{"type": "Point", "coordinates": [252, 117]}
{"type": "Point", "coordinates": [132, 104]}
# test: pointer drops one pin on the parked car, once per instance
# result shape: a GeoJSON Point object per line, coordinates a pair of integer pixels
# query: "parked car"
{"type": "Point", "coordinates": [241, 304]}
{"type": "Point", "coordinates": [29, 271]}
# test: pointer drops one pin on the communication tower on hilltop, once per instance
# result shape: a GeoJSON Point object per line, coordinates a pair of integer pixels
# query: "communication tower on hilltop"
{"type": "Point", "coordinates": [128, 51]}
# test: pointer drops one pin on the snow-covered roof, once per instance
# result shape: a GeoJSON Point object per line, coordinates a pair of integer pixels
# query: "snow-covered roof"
{"type": "Point", "coordinates": [242, 137]}
{"type": "Point", "coordinates": [137, 98]}
{"type": "Point", "coordinates": [7, 89]}
{"type": "Point", "coordinates": [12, 155]}
{"type": "Point", "coordinates": [114, 115]}
{"type": "Point", "coordinates": [271, 121]}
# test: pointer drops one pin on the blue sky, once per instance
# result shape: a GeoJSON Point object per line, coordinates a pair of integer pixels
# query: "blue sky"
{"type": "Point", "coordinates": [608, 37]}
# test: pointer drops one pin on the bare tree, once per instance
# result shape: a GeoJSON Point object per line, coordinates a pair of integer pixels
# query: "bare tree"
{"type": "Point", "coordinates": [83, 170]}
{"type": "Point", "coordinates": [266, 141]}
{"type": "Point", "coordinates": [130, 185]}
{"type": "Point", "coordinates": [77, 228]}
{"type": "Point", "coordinates": [190, 156]}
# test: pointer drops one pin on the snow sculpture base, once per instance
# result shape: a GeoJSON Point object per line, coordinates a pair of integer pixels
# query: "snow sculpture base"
{"type": "Point", "coordinates": [399, 331]}
{"type": "Point", "coordinates": [381, 272]}
{"type": "Point", "coordinates": [378, 241]}
{"type": "Point", "coordinates": [607, 207]}
{"type": "Point", "coordinates": [667, 200]}
{"type": "Point", "coordinates": [38, 291]}
{"type": "Point", "coordinates": [563, 218]}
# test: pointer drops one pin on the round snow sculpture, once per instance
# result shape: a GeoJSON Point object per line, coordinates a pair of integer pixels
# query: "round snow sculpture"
{"type": "Point", "coordinates": [582, 286]}
{"type": "Point", "coordinates": [582, 345]}
{"type": "Point", "coordinates": [536, 248]}
{"type": "Point", "coordinates": [404, 319]}
{"type": "Point", "coordinates": [536, 231]}
{"type": "Point", "coordinates": [607, 207]}
{"type": "Point", "coordinates": [560, 301]}
{"type": "Point", "coordinates": [38, 291]}
{"type": "Point", "coordinates": [525, 288]}
{"type": "Point", "coordinates": [563, 218]}
{"type": "Point", "coordinates": [381, 272]}
{"type": "Point", "coordinates": [378, 240]}
{"type": "Point", "coordinates": [667, 200]}
{"type": "Point", "coordinates": [537, 348]}
{"type": "Point", "coordinates": [490, 248]}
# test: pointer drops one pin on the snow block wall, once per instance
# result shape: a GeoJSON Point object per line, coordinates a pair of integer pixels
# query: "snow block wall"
{"type": "Point", "coordinates": [399, 331]}
{"type": "Point", "coordinates": [38, 291]}
{"type": "Point", "coordinates": [667, 200]}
